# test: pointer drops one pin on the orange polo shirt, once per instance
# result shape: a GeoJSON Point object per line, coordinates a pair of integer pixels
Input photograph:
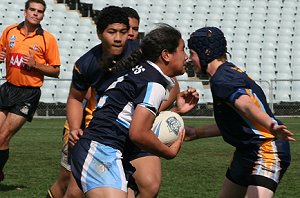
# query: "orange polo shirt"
{"type": "Point", "coordinates": [40, 43]}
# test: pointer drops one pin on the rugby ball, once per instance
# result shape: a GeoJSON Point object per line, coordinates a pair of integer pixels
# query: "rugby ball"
{"type": "Point", "coordinates": [167, 126]}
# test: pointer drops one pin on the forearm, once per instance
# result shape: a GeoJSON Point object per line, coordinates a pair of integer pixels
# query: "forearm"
{"type": "Point", "coordinates": [150, 143]}
{"type": "Point", "coordinates": [253, 112]}
{"type": "Point", "coordinates": [259, 117]}
{"type": "Point", "coordinates": [47, 70]}
{"type": "Point", "coordinates": [207, 131]}
{"type": "Point", "coordinates": [74, 113]}
{"type": "Point", "coordinates": [193, 133]}
{"type": "Point", "coordinates": [172, 97]}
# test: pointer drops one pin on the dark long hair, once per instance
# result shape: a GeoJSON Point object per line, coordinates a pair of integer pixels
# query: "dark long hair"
{"type": "Point", "coordinates": [161, 38]}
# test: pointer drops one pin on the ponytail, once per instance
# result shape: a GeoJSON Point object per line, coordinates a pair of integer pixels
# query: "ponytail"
{"type": "Point", "coordinates": [134, 59]}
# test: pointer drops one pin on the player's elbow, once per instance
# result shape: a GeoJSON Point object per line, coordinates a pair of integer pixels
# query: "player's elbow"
{"type": "Point", "coordinates": [56, 72]}
{"type": "Point", "coordinates": [135, 137]}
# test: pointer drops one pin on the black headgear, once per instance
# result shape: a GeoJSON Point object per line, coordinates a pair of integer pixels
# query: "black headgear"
{"type": "Point", "coordinates": [209, 43]}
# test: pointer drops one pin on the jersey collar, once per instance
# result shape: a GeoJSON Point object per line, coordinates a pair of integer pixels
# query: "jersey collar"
{"type": "Point", "coordinates": [39, 30]}
{"type": "Point", "coordinates": [169, 79]}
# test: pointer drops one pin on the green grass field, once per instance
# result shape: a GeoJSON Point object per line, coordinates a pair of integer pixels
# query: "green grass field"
{"type": "Point", "coordinates": [197, 172]}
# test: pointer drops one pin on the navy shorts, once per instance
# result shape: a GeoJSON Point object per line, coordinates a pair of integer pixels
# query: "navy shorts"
{"type": "Point", "coordinates": [133, 152]}
{"type": "Point", "coordinates": [262, 166]}
{"type": "Point", "coordinates": [22, 101]}
{"type": "Point", "coordinates": [130, 153]}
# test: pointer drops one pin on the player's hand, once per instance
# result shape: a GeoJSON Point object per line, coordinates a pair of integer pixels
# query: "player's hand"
{"type": "Point", "coordinates": [281, 132]}
{"type": "Point", "coordinates": [28, 60]}
{"type": "Point", "coordinates": [175, 147]}
{"type": "Point", "coordinates": [2, 55]}
{"type": "Point", "coordinates": [74, 136]}
{"type": "Point", "coordinates": [186, 100]}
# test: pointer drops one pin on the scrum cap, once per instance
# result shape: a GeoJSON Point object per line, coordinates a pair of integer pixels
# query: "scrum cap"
{"type": "Point", "coordinates": [209, 43]}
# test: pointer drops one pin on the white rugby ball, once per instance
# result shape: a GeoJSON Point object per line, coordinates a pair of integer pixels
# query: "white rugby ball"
{"type": "Point", "coordinates": [167, 126]}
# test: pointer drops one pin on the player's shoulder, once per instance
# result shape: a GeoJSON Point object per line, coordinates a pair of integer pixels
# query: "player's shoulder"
{"type": "Point", "coordinates": [48, 34]}
{"type": "Point", "coordinates": [93, 55]}
{"type": "Point", "coordinates": [229, 77]}
{"type": "Point", "coordinates": [10, 27]}
{"type": "Point", "coordinates": [94, 52]}
{"type": "Point", "coordinates": [146, 72]}
{"type": "Point", "coordinates": [228, 72]}
{"type": "Point", "coordinates": [89, 62]}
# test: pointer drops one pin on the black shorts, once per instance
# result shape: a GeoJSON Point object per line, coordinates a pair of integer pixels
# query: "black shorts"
{"type": "Point", "coordinates": [22, 101]}
{"type": "Point", "coordinates": [262, 166]}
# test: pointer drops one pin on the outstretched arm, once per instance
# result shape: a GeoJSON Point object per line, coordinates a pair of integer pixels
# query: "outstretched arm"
{"type": "Point", "coordinates": [193, 133]}
{"type": "Point", "coordinates": [248, 107]}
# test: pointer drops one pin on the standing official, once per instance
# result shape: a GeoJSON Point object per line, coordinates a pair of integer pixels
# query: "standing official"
{"type": "Point", "coordinates": [30, 53]}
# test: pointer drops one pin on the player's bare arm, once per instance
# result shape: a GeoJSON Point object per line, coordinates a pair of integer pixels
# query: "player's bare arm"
{"type": "Point", "coordinates": [193, 133]}
{"type": "Point", "coordinates": [140, 133]}
{"type": "Point", "coordinates": [48, 70]}
{"type": "Point", "coordinates": [247, 106]}
{"type": "Point", "coordinates": [74, 107]}
{"type": "Point", "coordinates": [2, 55]}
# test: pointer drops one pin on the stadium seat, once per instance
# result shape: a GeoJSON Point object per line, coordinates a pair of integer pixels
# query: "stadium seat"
{"type": "Point", "coordinates": [182, 77]}
{"type": "Point", "coordinates": [239, 62]}
{"type": "Point", "coordinates": [79, 50]}
{"type": "Point", "coordinates": [253, 64]}
{"type": "Point", "coordinates": [283, 91]}
{"type": "Point", "coordinates": [295, 95]}
{"type": "Point", "coordinates": [266, 87]}
{"type": "Point", "coordinates": [47, 95]}
{"type": "Point", "coordinates": [283, 66]}
{"type": "Point", "coordinates": [295, 67]}
{"type": "Point", "coordinates": [64, 75]}
{"type": "Point", "coordinates": [261, 33]}
{"type": "Point", "coordinates": [61, 95]}
{"type": "Point", "coordinates": [183, 85]}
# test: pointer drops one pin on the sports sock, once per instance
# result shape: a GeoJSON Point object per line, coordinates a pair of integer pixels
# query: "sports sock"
{"type": "Point", "coordinates": [4, 154]}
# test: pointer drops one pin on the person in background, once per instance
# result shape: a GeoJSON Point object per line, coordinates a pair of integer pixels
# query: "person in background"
{"type": "Point", "coordinates": [112, 29]}
{"type": "Point", "coordinates": [30, 53]}
{"type": "Point", "coordinates": [126, 111]}
{"type": "Point", "coordinates": [134, 23]}
{"type": "Point", "coordinates": [243, 118]}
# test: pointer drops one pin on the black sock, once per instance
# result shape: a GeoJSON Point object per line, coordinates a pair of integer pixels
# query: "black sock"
{"type": "Point", "coordinates": [4, 154]}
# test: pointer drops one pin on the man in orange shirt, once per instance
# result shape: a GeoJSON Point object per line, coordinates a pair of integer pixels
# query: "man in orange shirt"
{"type": "Point", "coordinates": [30, 53]}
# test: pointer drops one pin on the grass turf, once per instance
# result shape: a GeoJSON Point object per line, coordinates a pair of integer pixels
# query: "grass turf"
{"type": "Point", "coordinates": [198, 171]}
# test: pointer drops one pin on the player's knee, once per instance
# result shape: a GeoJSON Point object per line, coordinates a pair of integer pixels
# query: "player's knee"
{"type": "Point", "coordinates": [150, 186]}
{"type": "Point", "coordinates": [5, 136]}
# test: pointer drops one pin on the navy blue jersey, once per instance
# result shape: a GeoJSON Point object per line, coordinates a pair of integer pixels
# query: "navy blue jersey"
{"type": "Point", "coordinates": [88, 70]}
{"type": "Point", "coordinates": [144, 85]}
{"type": "Point", "coordinates": [227, 84]}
